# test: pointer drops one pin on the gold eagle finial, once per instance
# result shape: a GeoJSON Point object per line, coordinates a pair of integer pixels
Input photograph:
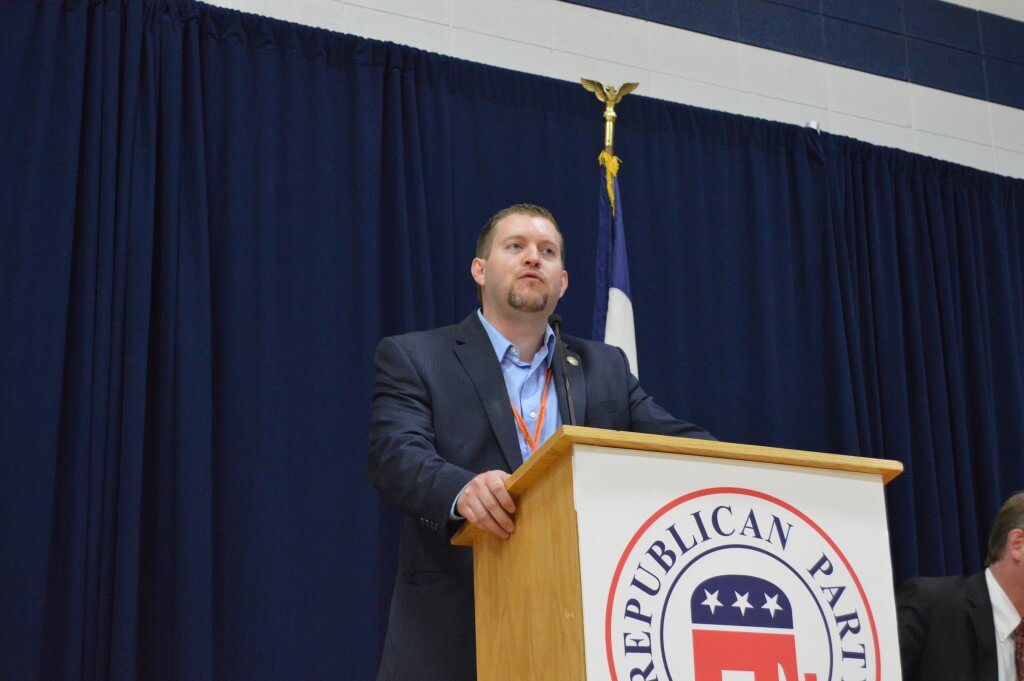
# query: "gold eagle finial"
{"type": "Point", "coordinates": [611, 96]}
{"type": "Point", "coordinates": [607, 158]}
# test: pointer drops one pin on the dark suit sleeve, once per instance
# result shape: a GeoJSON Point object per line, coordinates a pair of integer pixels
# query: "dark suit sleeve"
{"type": "Point", "coordinates": [647, 416]}
{"type": "Point", "coordinates": [912, 618]}
{"type": "Point", "coordinates": [403, 463]}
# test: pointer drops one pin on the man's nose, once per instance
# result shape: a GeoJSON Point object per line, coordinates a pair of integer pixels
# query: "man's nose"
{"type": "Point", "coordinates": [531, 254]}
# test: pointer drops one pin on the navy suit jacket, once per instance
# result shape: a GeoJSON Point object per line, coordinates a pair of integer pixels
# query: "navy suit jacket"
{"type": "Point", "coordinates": [946, 629]}
{"type": "Point", "coordinates": [441, 415]}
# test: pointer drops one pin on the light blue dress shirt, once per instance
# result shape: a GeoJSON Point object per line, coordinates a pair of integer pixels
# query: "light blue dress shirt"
{"type": "Point", "coordinates": [525, 383]}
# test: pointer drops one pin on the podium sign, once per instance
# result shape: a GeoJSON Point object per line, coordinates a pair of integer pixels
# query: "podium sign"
{"type": "Point", "coordinates": [648, 557]}
{"type": "Point", "coordinates": [720, 569]}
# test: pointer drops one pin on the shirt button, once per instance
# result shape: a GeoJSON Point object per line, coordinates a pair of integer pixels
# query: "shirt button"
{"type": "Point", "coordinates": [533, 414]}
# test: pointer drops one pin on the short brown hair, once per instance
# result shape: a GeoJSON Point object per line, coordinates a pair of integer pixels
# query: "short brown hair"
{"type": "Point", "coordinates": [1010, 517]}
{"type": "Point", "coordinates": [486, 236]}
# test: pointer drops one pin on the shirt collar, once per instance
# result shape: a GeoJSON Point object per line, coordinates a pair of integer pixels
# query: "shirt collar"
{"type": "Point", "coordinates": [1004, 615]}
{"type": "Point", "coordinates": [503, 346]}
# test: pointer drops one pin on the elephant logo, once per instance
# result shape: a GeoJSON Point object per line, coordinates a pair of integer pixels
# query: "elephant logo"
{"type": "Point", "coordinates": [743, 629]}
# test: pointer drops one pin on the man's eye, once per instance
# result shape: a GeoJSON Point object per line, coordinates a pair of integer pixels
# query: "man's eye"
{"type": "Point", "coordinates": [515, 246]}
{"type": "Point", "coordinates": [549, 251]}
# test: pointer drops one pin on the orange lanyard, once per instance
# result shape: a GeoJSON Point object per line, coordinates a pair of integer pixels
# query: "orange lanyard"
{"type": "Point", "coordinates": [533, 441]}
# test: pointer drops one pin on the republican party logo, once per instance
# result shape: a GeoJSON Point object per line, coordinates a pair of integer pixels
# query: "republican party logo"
{"type": "Point", "coordinates": [731, 584]}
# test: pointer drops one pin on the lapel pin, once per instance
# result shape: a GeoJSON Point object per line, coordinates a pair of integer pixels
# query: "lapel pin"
{"type": "Point", "coordinates": [572, 360]}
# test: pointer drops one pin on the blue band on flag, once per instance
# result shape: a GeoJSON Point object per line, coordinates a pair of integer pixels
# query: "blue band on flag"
{"type": "Point", "coordinates": [612, 262]}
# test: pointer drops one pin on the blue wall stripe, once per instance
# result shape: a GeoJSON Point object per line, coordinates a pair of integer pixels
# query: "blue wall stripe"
{"type": "Point", "coordinates": [865, 48]}
{"type": "Point", "coordinates": [712, 18]}
{"type": "Point", "coordinates": [927, 42]}
{"type": "Point", "coordinates": [781, 28]}
{"type": "Point", "coordinates": [943, 23]}
{"type": "Point", "coordinates": [1006, 82]}
{"type": "Point", "coordinates": [808, 5]}
{"type": "Point", "coordinates": [946, 68]}
{"type": "Point", "coordinates": [1001, 38]}
{"type": "Point", "coordinates": [884, 14]}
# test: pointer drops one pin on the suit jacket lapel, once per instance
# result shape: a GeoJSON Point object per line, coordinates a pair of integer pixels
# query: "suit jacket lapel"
{"type": "Point", "coordinates": [979, 609]}
{"type": "Point", "coordinates": [577, 383]}
{"type": "Point", "coordinates": [474, 350]}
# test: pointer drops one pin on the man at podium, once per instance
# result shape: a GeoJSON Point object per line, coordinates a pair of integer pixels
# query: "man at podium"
{"type": "Point", "coordinates": [456, 409]}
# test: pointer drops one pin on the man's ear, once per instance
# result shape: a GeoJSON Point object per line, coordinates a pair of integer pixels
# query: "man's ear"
{"type": "Point", "coordinates": [565, 283]}
{"type": "Point", "coordinates": [1015, 544]}
{"type": "Point", "coordinates": [476, 269]}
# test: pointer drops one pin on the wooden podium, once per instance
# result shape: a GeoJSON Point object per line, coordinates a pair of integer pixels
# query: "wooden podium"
{"type": "Point", "coordinates": [643, 556]}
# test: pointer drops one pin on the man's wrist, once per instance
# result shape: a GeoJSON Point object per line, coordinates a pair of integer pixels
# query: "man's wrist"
{"type": "Point", "coordinates": [453, 514]}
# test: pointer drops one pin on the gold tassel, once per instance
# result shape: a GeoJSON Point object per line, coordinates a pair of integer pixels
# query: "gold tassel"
{"type": "Point", "coordinates": [611, 170]}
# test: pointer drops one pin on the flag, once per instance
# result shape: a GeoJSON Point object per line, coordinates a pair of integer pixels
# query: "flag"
{"type": "Point", "coordinates": [613, 307]}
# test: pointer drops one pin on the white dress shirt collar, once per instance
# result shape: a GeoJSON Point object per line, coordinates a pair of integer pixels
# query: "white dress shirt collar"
{"type": "Point", "coordinates": [1005, 618]}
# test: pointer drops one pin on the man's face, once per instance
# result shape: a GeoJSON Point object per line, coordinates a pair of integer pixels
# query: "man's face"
{"type": "Point", "coordinates": [524, 269]}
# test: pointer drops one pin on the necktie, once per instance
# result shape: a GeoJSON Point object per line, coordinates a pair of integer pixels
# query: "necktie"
{"type": "Point", "coordinates": [1018, 649]}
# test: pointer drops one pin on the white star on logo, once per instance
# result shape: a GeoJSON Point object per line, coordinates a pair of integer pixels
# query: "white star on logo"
{"type": "Point", "coordinates": [771, 604]}
{"type": "Point", "coordinates": [711, 601]}
{"type": "Point", "coordinates": [742, 603]}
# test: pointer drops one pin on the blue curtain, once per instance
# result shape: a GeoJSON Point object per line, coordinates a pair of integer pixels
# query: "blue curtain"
{"type": "Point", "coordinates": [208, 219]}
{"type": "Point", "coordinates": [931, 263]}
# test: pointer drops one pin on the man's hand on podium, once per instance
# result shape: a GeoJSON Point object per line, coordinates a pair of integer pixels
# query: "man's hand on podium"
{"type": "Point", "coordinates": [486, 503]}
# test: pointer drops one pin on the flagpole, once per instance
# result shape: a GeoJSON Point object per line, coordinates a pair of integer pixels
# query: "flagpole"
{"type": "Point", "coordinates": [613, 307]}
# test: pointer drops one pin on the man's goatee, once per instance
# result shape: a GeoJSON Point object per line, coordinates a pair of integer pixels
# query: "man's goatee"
{"type": "Point", "coordinates": [517, 302]}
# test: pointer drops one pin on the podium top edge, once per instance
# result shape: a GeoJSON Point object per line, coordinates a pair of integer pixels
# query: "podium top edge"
{"type": "Point", "coordinates": [566, 437]}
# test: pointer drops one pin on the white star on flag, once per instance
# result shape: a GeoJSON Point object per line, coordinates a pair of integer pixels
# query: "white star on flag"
{"type": "Point", "coordinates": [742, 603]}
{"type": "Point", "coordinates": [771, 604]}
{"type": "Point", "coordinates": [711, 601]}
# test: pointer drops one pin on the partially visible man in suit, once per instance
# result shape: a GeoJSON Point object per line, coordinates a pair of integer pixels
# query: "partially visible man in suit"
{"type": "Point", "coordinates": [456, 409]}
{"type": "Point", "coordinates": [969, 628]}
